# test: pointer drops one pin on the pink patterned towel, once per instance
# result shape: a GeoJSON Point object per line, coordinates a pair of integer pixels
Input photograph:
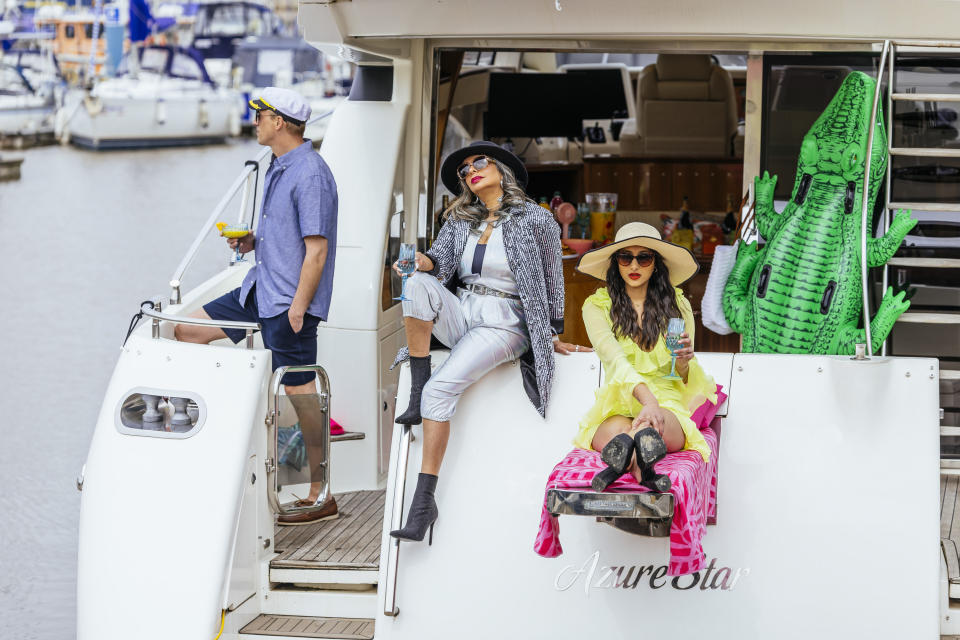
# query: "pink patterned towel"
{"type": "Point", "coordinates": [694, 491]}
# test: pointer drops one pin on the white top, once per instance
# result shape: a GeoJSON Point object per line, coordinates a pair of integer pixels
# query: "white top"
{"type": "Point", "coordinates": [495, 271]}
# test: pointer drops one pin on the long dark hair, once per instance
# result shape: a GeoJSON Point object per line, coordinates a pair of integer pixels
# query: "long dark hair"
{"type": "Point", "coordinates": [659, 306]}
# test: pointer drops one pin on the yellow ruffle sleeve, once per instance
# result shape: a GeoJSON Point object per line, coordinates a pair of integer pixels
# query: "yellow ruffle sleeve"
{"type": "Point", "coordinates": [625, 365]}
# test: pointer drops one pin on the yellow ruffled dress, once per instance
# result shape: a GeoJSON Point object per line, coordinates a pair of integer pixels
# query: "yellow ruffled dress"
{"type": "Point", "coordinates": [625, 365]}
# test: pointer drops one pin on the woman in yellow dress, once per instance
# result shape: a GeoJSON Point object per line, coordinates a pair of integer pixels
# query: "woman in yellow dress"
{"type": "Point", "coordinates": [639, 414]}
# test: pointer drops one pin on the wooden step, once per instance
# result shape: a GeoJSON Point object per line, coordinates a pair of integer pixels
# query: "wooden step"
{"type": "Point", "coordinates": [272, 626]}
{"type": "Point", "coordinates": [345, 551]}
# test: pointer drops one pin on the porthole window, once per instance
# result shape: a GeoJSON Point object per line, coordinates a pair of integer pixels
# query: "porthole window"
{"type": "Point", "coordinates": [161, 413]}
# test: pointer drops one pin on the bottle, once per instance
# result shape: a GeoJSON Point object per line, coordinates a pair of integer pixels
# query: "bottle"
{"type": "Point", "coordinates": [685, 222]}
{"type": "Point", "coordinates": [730, 220]}
{"type": "Point", "coordinates": [683, 234]}
{"type": "Point", "coordinates": [555, 201]}
{"type": "Point", "coordinates": [544, 203]}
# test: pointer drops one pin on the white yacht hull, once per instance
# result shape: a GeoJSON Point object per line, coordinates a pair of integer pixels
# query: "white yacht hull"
{"type": "Point", "coordinates": [25, 115]}
{"type": "Point", "coordinates": [121, 114]}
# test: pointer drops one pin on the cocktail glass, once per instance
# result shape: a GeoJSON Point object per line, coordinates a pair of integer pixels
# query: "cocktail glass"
{"type": "Point", "coordinates": [237, 231]}
{"type": "Point", "coordinates": [675, 327]}
{"type": "Point", "coordinates": [407, 264]}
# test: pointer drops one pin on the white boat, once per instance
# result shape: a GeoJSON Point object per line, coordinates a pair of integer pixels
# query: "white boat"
{"type": "Point", "coordinates": [29, 87]}
{"type": "Point", "coordinates": [835, 512]}
{"type": "Point", "coordinates": [164, 98]}
{"type": "Point", "coordinates": [291, 63]}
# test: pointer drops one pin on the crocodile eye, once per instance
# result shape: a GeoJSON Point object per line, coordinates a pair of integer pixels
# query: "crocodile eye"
{"type": "Point", "coordinates": [827, 297]}
{"type": "Point", "coordinates": [764, 281]}
{"type": "Point", "coordinates": [851, 157]}
{"type": "Point", "coordinates": [809, 152]}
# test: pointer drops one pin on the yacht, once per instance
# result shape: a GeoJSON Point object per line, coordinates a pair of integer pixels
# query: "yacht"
{"type": "Point", "coordinates": [834, 485]}
{"type": "Point", "coordinates": [162, 96]}
{"type": "Point", "coordinates": [30, 90]}
{"type": "Point", "coordinates": [291, 63]}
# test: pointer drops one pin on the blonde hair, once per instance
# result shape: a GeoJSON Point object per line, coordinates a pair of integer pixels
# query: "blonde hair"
{"type": "Point", "coordinates": [467, 206]}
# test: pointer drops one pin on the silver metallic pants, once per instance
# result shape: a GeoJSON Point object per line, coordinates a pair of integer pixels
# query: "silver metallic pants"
{"type": "Point", "coordinates": [482, 332]}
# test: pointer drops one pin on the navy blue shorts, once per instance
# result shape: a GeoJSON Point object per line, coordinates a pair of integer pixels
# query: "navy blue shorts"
{"type": "Point", "coordinates": [288, 348]}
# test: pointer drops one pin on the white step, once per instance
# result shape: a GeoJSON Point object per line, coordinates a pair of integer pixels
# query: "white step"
{"type": "Point", "coordinates": [927, 97]}
{"type": "Point", "coordinates": [920, 317]}
{"type": "Point", "coordinates": [945, 207]}
{"type": "Point", "coordinates": [310, 576]}
{"type": "Point", "coordinates": [293, 601]}
{"type": "Point", "coordinates": [924, 152]}
{"type": "Point", "coordinates": [931, 263]}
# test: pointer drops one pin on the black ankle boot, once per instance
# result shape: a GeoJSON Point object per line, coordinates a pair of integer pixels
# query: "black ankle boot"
{"type": "Point", "coordinates": [419, 374]}
{"type": "Point", "coordinates": [617, 455]}
{"type": "Point", "coordinates": [651, 449]}
{"type": "Point", "coordinates": [423, 511]}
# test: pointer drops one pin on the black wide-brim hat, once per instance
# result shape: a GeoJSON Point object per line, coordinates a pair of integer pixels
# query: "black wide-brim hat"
{"type": "Point", "coordinates": [448, 170]}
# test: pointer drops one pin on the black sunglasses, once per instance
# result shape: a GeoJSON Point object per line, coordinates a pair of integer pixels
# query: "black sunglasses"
{"type": "Point", "coordinates": [643, 259]}
{"type": "Point", "coordinates": [479, 164]}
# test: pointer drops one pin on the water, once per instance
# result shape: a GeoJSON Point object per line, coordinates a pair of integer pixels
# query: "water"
{"type": "Point", "coordinates": [86, 237]}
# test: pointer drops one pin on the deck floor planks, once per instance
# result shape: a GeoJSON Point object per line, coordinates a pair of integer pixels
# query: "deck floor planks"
{"type": "Point", "coordinates": [352, 541]}
{"type": "Point", "coordinates": [950, 524]}
{"type": "Point", "coordinates": [367, 534]}
{"type": "Point", "coordinates": [332, 527]}
{"type": "Point", "coordinates": [348, 536]}
{"type": "Point", "coordinates": [306, 627]}
{"type": "Point", "coordinates": [325, 544]}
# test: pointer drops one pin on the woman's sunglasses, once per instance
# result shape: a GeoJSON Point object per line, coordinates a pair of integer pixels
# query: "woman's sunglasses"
{"type": "Point", "coordinates": [643, 259]}
{"type": "Point", "coordinates": [479, 164]}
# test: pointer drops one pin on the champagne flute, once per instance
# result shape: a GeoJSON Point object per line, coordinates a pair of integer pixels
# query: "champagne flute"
{"type": "Point", "coordinates": [407, 264]}
{"type": "Point", "coordinates": [675, 327]}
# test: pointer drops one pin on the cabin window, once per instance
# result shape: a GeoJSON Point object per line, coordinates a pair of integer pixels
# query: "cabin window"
{"type": "Point", "coordinates": [226, 20]}
{"type": "Point", "coordinates": [88, 30]}
{"type": "Point", "coordinates": [161, 413]}
{"type": "Point", "coordinates": [185, 67]}
{"type": "Point", "coordinates": [154, 60]}
{"type": "Point", "coordinates": [69, 31]}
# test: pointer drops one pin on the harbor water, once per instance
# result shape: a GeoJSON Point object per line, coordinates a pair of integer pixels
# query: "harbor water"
{"type": "Point", "coordinates": [87, 237]}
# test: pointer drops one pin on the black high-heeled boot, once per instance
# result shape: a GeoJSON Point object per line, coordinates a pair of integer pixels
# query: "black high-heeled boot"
{"type": "Point", "coordinates": [423, 511]}
{"type": "Point", "coordinates": [651, 449]}
{"type": "Point", "coordinates": [616, 455]}
{"type": "Point", "coordinates": [419, 374]}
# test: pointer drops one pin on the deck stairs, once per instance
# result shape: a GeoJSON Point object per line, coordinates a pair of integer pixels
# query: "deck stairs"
{"type": "Point", "coordinates": [937, 258]}
{"type": "Point", "coordinates": [322, 580]}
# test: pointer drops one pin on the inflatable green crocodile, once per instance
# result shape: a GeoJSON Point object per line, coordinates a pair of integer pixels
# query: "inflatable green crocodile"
{"type": "Point", "coordinates": [802, 292]}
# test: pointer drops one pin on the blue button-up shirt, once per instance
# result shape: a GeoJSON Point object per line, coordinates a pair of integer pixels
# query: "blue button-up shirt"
{"type": "Point", "coordinates": [299, 200]}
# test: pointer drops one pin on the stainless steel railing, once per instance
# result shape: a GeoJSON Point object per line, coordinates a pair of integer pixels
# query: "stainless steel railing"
{"type": "Point", "coordinates": [865, 200]}
{"type": "Point", "coordinates": [273, 416]}
{"type": "Point", "coordinates": [390, 607]}
{"type": "Point", "coordinates": [157, 317]}
{"type": "Point", "coordinates": [248, 180]}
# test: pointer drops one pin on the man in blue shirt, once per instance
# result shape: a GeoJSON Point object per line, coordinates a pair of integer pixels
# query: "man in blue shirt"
{"type": "Point", "coordinates": [288, 289]}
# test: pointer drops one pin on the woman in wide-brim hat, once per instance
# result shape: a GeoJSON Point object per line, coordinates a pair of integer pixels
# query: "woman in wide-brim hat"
{"type": "Point", "coordinates": [505, 250]}
{"type": "Point", "coordinates": [640, 412]}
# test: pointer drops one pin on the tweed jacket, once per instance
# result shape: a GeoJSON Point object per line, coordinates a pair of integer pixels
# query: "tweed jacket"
{"type": "Point", "coordinates": [531, 240]}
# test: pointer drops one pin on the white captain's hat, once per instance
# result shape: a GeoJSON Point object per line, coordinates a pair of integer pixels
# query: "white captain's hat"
{"type": "Point", "coordinates": [289, 105]}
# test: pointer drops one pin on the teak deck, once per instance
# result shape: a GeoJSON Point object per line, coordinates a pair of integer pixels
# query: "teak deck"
{"type": "Point", "coordinates": [352, 541]}
{"type": "Point", "coordinates": [303, 627]}
{"type": "Point", "coordinates": [950, 525]}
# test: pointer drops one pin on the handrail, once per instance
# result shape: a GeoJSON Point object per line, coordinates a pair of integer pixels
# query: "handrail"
{"type": "Point", "coordinates": [250, 167]}
{"type": "Point", "coordinates": [157, 317]}
{"type": "Point", "coordinates": [390, 607]}
{"type": "Point", "coordinates": [865, 199]}
{"type": "Point", "coordinates": [273, 459]}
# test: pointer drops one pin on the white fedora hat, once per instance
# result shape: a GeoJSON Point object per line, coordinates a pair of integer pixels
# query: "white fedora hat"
{"type": "Point", "coordinates": [680, 262]}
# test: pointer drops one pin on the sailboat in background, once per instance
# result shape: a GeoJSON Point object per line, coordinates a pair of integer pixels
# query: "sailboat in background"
{"type": "Point", "coordinates": [161, 96]}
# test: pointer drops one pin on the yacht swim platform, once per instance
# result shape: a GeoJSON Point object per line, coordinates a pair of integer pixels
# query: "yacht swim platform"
{"type": "Point", "coordinates": [266, 625]}
{"type": "Point", "coordinates": [344, 550]}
